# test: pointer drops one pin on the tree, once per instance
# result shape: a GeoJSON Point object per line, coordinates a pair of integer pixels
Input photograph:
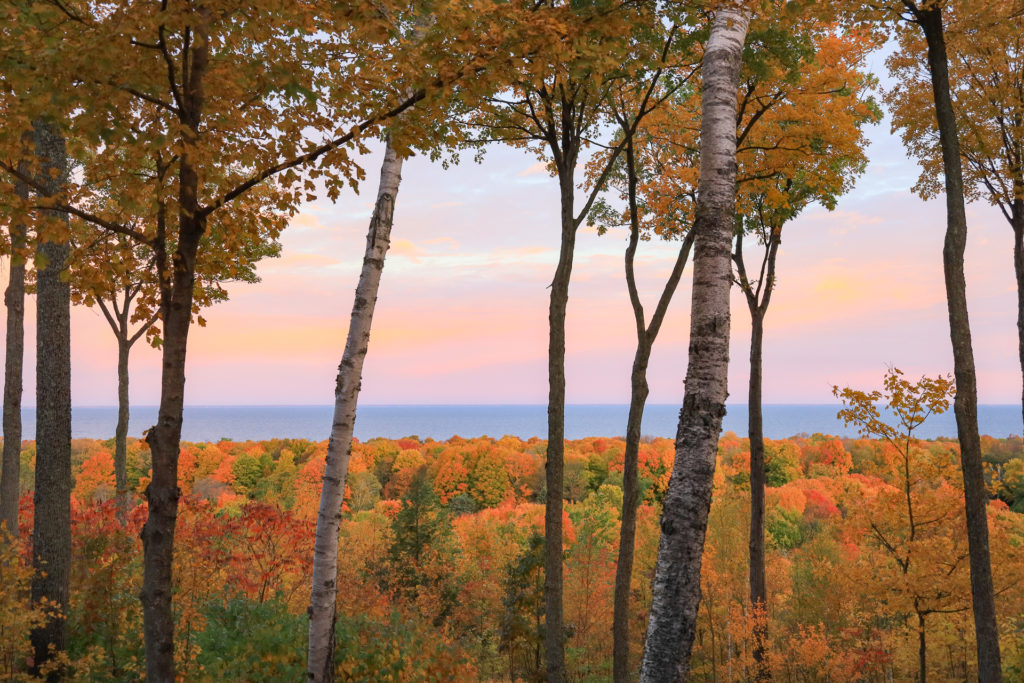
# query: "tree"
{"type": "Point", "coordinates": [117, 275]}
{"type": "Point", "coordinates": [676, 595]}
{"type": "Point", "coordinates": [986, 72]}
{"type": "Point", "coordinates": [521, 636]}
{"type": "Point", "coordinates": [928, 16]}
{"type": "Point", "coordinates": [554, 108]}
{"type": "Point", "coordinates": [175, 84]}
{"type": "Point", "coordinates": [916, 523]}
{"type": "Point", "coordinates": [647, 333]}
{"type": "Point", "coordinates": [799, 141]}
{"type": "Point", "coordinates": [51, 529]}
{"type": "Point", "coordinates": [14, 300]}
{"type": "Point", "coordinates": [325, 553]}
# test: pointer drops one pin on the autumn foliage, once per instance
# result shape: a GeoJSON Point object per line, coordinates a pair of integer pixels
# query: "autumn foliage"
{"type": "Point", "coordinates": [442, 577]}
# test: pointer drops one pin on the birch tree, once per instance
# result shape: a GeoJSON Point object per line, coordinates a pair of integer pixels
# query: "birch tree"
{"type": "Point", "coordinates": [676, 590]}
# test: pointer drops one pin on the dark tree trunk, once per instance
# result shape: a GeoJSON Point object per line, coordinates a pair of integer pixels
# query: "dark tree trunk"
{"type": "Point", "coordinates": [164, 438]}
{"type": "Point", "coordinates": [672, 624]}
{"type": "Point", "coordinates": [965, 405]}
{"type": "Point", "coordinates": [758, 296]}
{"type": "Point", "coordinates": [121, 433]}
{"type": "Point", "coordinates": [1017, 223]}
{"type": "Point", "coordinates": [646, 335]}
{"type": "Point", "coordinates": [164, 441]}
{"type": "Point", "coordinates": [755, 430]}
{"type": "Point", "coordinates": [630, 501]}
{"type": "Point", "coordinates": [922, 650]}
{"type": "Point", "coordinates": [14, 299]}
{"type": "Point", "coordinates": [51, 531]}
{"type": "Point", "coordinates": [554, 632]}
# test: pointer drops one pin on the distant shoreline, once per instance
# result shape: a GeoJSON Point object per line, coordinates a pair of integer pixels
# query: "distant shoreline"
{"type": "Point", "coordinates": [442, 421]}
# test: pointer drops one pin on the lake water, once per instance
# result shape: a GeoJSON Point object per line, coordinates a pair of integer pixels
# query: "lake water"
{"type": "Point", "coordinates": [241, 423]}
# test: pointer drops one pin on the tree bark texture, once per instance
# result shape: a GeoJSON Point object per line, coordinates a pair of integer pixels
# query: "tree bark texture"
{"type": "Point", "coordinates": [755, 430]}
{"type": "Point", "coordinates": [121, 432]}
{"type": "Point", "coordinates": [646, 335]}
{"type": "Point", "coordinates": [676, 598]}
{"type": "Point", "coordinates": [323, 601]}
{"type": "Point", "coordinates": [164, 438]}
{"type": "Point", "coordinates": [758, 296]}
{"type": "Point", "coordinates": [51, 531]}
{"type": "Point", "coordinates": [14, 299]}
{"type": "Point", "coordinates": [554, 468]}
{"type": "Point", "coordinates": [1017, 223]}
{"type": "Point", "coordinates": [965, 405]}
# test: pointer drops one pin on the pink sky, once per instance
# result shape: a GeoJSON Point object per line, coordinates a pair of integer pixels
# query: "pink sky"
{"type": "Point", "coordinates": [462, 312]}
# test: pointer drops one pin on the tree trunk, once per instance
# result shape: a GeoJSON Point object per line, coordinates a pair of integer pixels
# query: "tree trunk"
{"type": "Point", "coordinates": [965, 404]}
{"type": "Point", "coordinates": [1017, 223]}
{"type": "Point", "coordinates": [121, 433]}
{"type": "Point", "coordinates": [755, 430]}
{"type": "Point", "coordinates": [164, 441]}
{"type": "Point", "coordinates": [164, 438]}
{"type": "Point", "coordinates": [676, 592]}
{"type": "Point", "coordinates": [323, 602]}
{"type": "Point", "coordinates": [646, 335]}
{"type": "Point", "coordinates": [922, 650]}
{"type": "Point", "coordinates": [554, 632]}
{"type": "Point", "coordinates": [14, 298]}
{"type": "Point", "coordinates": [630, 501]}
{"type": "Point", "coordinates": [51, 531]}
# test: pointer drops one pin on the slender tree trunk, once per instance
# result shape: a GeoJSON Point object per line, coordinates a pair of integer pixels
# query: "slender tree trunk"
{"type": "Point", "coordinates": [51, 531]}
{"type": "Point", "coordinates": [14, 298]}
{"type": "Point", "coordinates": [323, 602]}
{"type": "Point", "coordinates": [1017, 223]}
{"type": "Point", "coordinates": [646, 335]}
{"type": "Point", "coordinates": [676, 592]}
{"type": "Point", "coordinates": [121, 433]}
{"type": "Point", "coordinates": [922, 650]}
{"type": "Point", "coordinates": [755, 430]}
{"type": "Point", "coordinates": [554, 632]}
{"type": "Point", "coordinates": [965, 404]}
{"type": "Point", "coordinates": [630, 501]}
{"type": "Point", "coordinates": [164, 438]}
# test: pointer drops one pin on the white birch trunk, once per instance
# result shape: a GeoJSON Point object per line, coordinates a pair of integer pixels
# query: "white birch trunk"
{"type": "Point", "coordinates": [676, 592]}
{"type": "Point", "coordinates": [325, 553]}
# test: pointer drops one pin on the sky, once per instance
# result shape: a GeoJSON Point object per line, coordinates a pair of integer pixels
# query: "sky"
{"type": "Point", "coordinates": [462, 312]}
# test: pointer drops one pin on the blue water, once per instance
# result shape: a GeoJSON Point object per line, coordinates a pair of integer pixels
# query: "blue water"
{"type": "Point", "coordinates": [241, 423]}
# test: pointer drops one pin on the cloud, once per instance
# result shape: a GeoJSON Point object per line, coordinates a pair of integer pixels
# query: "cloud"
{"type": "Point", "coordinates": [407, 249]}
{"type": "Point", "coordinates": [539, 167]}
{"type": "Point", "coordinates": [444, 205]}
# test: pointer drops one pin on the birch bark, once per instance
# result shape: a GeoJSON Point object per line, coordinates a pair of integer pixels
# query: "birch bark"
{"type": "Point", "coordinates": [323, 602]}
{"type": "Point", "coordinates": [676, 591]}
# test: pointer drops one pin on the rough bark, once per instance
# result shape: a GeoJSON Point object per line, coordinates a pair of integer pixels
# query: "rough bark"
{"type": "Point", "coordinates": [965, 405]}
{"type": "Point", "coordinates": [646, 335]}
{"type": "Point", "coordinates": [164, 438]}
{"type": "Point", "coordinates": [51, 531]}
{"type": "Point", "coordinates": [121, 432]}
{"type": "Point", "coordinates": [1017, 223]}
{"type": "Point", "coordinates": [922, 650]}
{"type": "Point", "coordinates": [676, 591]}
{"type": "Point", "coordinates": [554, 468]}
{"type": "Point", "coordinates": [323, 601]}
{"type": "Point", "coordinates": [758, 296]}
{"type": "Point", "coordinates": [14, 299]}
{"type": "Point", "coordinates": [755, 430]}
